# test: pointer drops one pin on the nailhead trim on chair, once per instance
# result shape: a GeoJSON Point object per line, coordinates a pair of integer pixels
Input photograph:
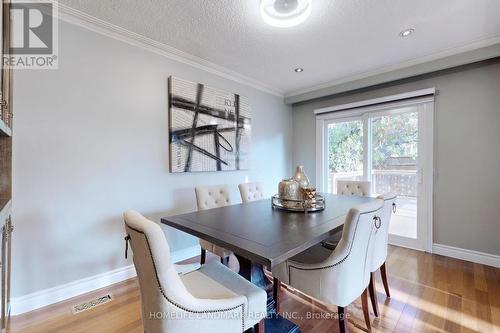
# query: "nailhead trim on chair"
{"type": "Point", "coordinates": [333, 265]}
{"type": "Point", "coordinates": [178, 305]}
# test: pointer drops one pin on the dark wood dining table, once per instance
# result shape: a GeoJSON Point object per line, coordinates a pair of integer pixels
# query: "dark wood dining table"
{"type": "Point", "coordinates": [262, 237]}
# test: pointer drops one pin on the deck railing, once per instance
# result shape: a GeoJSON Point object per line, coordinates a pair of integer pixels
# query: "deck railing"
{"type": "Point", "coordinates": [399, 182]}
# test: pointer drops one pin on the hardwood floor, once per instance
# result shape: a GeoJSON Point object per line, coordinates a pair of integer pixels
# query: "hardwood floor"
{"type": "Point", "coordinates": [430, 293]}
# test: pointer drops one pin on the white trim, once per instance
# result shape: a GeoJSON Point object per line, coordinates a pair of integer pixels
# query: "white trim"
{"type": "Point", "coordinates": [425, 168]}
{"type": "Point", "coordinates": [63, 292]}
{"type": "Point", "coordinates": [428, 166]}
{"type": "Point", "coordinates": [320, 154]}
{"type": "Point", "coordinates": [367, 142]}
{"type": "Point", "coordinates": [49, 296]}
{"type": "Point", "coordinates": [385, 99]}
{"type": "Point", "coordinates": [79, 18]}
{"type": "Point", "coordinates": [468, 255]}
{"type": "Point", "coordinates": [375, 108]}
{"type": "Point", "coordinates": [479, 44]}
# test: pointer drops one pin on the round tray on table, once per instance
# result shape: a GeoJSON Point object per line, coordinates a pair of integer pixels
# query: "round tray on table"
{"type": "Point", "coordinates": [304, 206]}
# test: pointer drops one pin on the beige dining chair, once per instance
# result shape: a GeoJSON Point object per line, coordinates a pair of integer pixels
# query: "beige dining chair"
{"type": "Point", "coordinates": [340, 276]}
{"type": "Point", "coordinates": [210, 197]}
{"type": "Point", "coordinates": [360, 188]}
{"type": "Point", "coordinates": [211, 299]}
{"type": "Point", "coordinates": [380, 249]}
{"type": "Point", "coordinates": [251, 192]}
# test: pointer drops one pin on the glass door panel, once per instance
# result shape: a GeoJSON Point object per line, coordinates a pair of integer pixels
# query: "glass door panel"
{"type": "Point", "coordinates": [391, 146]}
{"type": "Point", "coordinates": [395, 165]}
{"type": "Point", "coordinates": [345, 152]}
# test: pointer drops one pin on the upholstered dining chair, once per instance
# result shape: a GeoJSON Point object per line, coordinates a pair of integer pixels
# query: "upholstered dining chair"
{"type": "Point", "coordinates": [207, 198]}
{"type": "Point", "coordinates": [380, 249]}
{"type": "Point", "coordinates": [251, 192]}
{"type": "Point", "coordinates": [340, 276]}
{"type": "Point", "coordinates": [211, 299]}
{"type": "Point", "coordinates": [360, 188]}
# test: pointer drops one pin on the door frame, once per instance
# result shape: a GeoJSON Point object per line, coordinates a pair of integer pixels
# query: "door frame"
{"type": "Point", "coordinates": [425, 104]}
{"type": "Point", "coordinates": [323, 180]}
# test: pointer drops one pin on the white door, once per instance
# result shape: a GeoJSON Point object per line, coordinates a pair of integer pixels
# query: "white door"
{"type": "Point", "coordinates": [390, 145]}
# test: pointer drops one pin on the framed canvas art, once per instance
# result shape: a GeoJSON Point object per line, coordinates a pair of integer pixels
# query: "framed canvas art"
{"type": "Point", "coordinates": [209, 128]}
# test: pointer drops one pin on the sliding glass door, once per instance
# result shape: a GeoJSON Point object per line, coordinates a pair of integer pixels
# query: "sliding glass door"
{"type": "Point", "coordinates": [395, 165]}
{"type": "Point", "coordinates": [391, 146]}
{"type": "Point", "coordinates": [345, 152]}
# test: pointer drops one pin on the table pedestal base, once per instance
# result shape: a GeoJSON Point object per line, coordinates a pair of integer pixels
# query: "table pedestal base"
{"type": "Point", "coordinates": [255, 273]}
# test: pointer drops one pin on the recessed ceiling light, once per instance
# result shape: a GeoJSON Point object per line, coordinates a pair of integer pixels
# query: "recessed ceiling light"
{"type": "Point", "coordinates": [406, 32]}
{"type": "Point", "coordinates": [298, 70]}
{"type": "Point", "coordinates": [285, 13]}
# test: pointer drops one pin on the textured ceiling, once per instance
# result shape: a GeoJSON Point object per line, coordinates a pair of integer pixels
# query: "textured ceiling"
{"type": "Point", "coordinates": [341, 38]}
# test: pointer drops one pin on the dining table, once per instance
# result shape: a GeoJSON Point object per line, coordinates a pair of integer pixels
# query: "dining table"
{"type": "Point", "coordinates": [262, 237]}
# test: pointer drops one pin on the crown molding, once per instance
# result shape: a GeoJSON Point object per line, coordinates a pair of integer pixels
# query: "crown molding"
{"type": "Point", "coordinates": [407, 69]}
{"type": "Point", "coordinates": [472, 52]}
{"type": "Point", "coordinates": [79, 18]}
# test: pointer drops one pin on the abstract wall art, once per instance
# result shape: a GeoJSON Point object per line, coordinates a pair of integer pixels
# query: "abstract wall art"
{"type": "Point", "coordinates": [209, 129]}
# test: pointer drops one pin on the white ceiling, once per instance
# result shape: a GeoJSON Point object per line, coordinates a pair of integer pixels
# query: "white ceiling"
{"type": "Point", "coordinates": [341, 39]}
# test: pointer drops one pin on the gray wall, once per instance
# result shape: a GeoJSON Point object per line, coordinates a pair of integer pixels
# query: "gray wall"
{"type": "Point", "coordinates": [466, 148]}
{"type": "Point", "coordinates": [91, 141]}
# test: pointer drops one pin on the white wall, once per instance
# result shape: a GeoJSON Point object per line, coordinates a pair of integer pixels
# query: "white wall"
{"type": "Point", "coordinates": [466, 146]}
{"type": "Point", "coordinates": [91, 140]}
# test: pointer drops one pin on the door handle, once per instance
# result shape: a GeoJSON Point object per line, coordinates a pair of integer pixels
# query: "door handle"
{"type": "Point", "coordinates": [420, 176]}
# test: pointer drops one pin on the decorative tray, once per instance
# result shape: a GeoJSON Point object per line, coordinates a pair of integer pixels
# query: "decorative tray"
{"type": "Point", "coordinates": [315, 204]}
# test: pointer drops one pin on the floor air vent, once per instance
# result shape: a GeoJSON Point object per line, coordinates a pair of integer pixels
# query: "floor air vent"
{"type": "Point", "coordinates": [90, 304]}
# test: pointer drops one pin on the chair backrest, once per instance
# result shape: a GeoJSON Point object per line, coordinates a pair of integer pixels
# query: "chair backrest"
{"type": "Point", "coordinates": [251, 191]}
{"type": "Point", "coordinates": [360, 188]}
{"type": "Point", "coordinates": [161, 287]}
{"type": "Point", "coordinates": [209, 197]}
{"type": "Point", "coordinates": [348, 267]}
{"type": "Point", "coordinates": [382, 234]}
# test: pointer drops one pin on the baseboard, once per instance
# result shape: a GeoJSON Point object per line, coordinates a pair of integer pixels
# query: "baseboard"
{"type": "Point", "coordinates": [63, 292]}
{"type": "Point", "coordinates": [468, 255]}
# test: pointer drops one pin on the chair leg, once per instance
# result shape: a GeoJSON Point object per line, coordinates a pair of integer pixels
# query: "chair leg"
{"type": "Point", "coordinates": [277, 294]}
{"type": "Point", "coordinates": [203, 256]}
{"type": "Point", "coordinates": [343, 323]}
{"type": "Point", "coordinates": [373, 294]}
{"type": "Point", "coordinates": [259, 327]}
{"type": "Point", "coordinates": [384, 279]}
{"type": "Point", "coordinates": [366, 313]}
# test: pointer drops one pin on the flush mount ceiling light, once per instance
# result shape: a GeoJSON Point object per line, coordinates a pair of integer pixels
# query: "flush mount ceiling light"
{"type": "Point", "coordinates": [299, 69]}
{"type": "Point", "coordinates": [406, 32]}
{"type": "Point", "coordinates": [285, 13]}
